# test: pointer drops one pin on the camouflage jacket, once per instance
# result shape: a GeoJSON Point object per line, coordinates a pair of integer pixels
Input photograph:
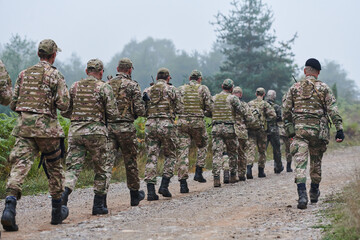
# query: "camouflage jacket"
{"type": "Point", "coordinates": [128, 98]}
{"type": "Point", "coordinates": [307, 101]}
{"type": "Point", "coordinates": [106, 104]}
{"type": "Point", "coordinates": [5, 86]}
{"type": "Point", "coordinates": [31, 124]}
{"type": "Point", "coordinates": [272, 125]}
{"type": "Point", "coordinates": [243, 121]}
{"type": "Point", "coordinates": [263, 111]}
{"type": "Point", "coordinates": [204, 97]}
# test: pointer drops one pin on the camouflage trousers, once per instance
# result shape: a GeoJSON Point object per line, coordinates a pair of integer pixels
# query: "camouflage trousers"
{"type": "Point", "coordinates": [160, 133]}
{"type": "Point", "coordinates": [304, 144]}
{"type": "Point", "coordinates": [22, 157]}
{"type": "Point", "coordinates": [286, 142]}
{"type": "Point", "coordinates": [242, 156]}
{"type": "Point", "coordinates": [274, 139]}
{"type": "Point", "coordinates": [79, 146]}
{"type": "Point", "coordinates": [193, 130]}
{"type": "Point", "coordinates": [122, 136]}
{"type": "Point", "coordinates": [257, 139]}
{"type": "Point", "coordinates": [224, 135]}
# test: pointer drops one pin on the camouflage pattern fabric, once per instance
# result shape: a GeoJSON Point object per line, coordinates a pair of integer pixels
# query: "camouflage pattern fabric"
{"type": "Point", "coordinates": [286, 142]}
{"type": "Point", "coordinates": [257, 139]}
{"type": "Point", "coordinates": [304, 107]}
{"type": "Point", "coordinates": [226, 163]}
{"type": "Point", "coordinates": [242, 156]}
{"type": "Point", "coordinates": [264, 110]}
{"type": "Point", "coordinates": [5, 86]}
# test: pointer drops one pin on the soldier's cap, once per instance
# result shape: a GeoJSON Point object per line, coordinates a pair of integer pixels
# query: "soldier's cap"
{"type": "Point", "coordinates": [95, 64]}
{"type": "Point", "coordinates": [163, 72]}
{"type": "Point", "coordinates": [260, 91]}
{"type": "Point", "coordinates": [314, 63]}
{"type": "Point", "coordinates": [271, 94]}
{"type": "Point", "coordinates": [195, 74]}
{"type": "Point", "coordinates": [125, 63]}
{"type": "Point", "coordinates": [228, 83]}
{"type": "Point", "coordinates": [48, 46]}
{"type": "Point", "coordinates": [237, 90]}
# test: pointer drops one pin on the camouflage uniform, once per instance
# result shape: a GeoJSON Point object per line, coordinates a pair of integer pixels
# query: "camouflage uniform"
{"type": "Point", "coordinates": [286, 141]}
{"type": "Point", "coordinates": [92, 101]}
{"type": "Point", "coordinates": [191, 125]}
{"type": "Point", "coordinates": [5, 86]}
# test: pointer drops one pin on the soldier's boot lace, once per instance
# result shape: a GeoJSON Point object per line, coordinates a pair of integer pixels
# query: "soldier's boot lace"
{"type": "Point", "coordinates": [98, 207]}
{"type": "Point", "coordinates": [151, 196]}
{"type": "Point", "coordinates": [261, 173]}
{"type": "Point", "coordinates": [164, 187]}
{"type": "Point", "coordinates": [233, 178]}
{"type": "Point", "coordinates": [59, 212]}
{"type": "Point", "coordinates": [199, 175]}
{"type": "Point", "coordinates": [65, 196]}
{"type": "Point", "coordinates": [314, 193]}
{"type": "Point", "coordinates": [183, 186]}
{"type": "Point", "coordinates": [217, 181]}
{"type": "Point", "coordinates": [226, 176]}
{"type": "Point", "coordinates": [249, 172]}
{"type": "Point", "coordinates": [9, 213]}
{"type": "Point", "coordinates": [303, 198]}
{"type": "Point", "coordinates": [288, 167]}
{"type": "Point", "coordinates": [136, 196]}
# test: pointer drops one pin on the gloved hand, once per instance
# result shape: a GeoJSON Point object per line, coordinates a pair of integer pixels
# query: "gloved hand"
{"type": "Point", "coordinates": [339, 136]}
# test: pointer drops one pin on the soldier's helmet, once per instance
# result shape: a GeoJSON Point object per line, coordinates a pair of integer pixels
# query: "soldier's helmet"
{"type": "Point", "coordinates": [195, 74]}
{"type": "Point", "coordinates": [260, 91]}
{"type": "Point", "coordinates": [48, 47]}
{"type": "Point", "coordinates": [125, 63]}
{"type": "Point", "coordinates": [237, 89]}
{"type": "Point", "coordinates": [271, 95]}
{"type": "Point", "coordinates": [228, 84]}
{"type": "Point", "coordinates": [95, 64]}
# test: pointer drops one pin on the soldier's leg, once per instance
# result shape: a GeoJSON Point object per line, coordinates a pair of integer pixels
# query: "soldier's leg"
{"type": "Point", "coordinates": [232, 145]}
{"type": "Point", "coordinates": [112, 153]}
{"type": "Point", "coordinates": [251, 148]}
{"type": "Point", "coordinates": [275, 142]}
{"type": "Point", "coordinates": [242, 159]}
{"type": "Point", "coordinates": [261, 138]}
{"type": "Point", "coordinates": [201, 140]}
{"type": "Point", "coordinates": [184, 142]}
{"type": "Point", "coordinates": [299, 149]}
{"type": "Point", "coordinates": [316, 149]}
{"type": "Point", "coordinates": [153, 151]}
{"type": "Point", "coordinates": [288, 155]}
{"type": "Point", "coordinates": [168, 143]}
{"type": "Point", "coordinates": [217, 148]}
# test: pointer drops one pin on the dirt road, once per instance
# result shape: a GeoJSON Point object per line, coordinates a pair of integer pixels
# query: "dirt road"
{"type": "Point", "coordinates": [255, 209]}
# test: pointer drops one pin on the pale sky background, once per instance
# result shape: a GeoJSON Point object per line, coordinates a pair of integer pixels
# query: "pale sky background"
{"type": "Point", "coordinates": [327, 29]}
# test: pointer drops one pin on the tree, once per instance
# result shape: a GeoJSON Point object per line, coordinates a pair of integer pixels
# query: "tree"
{"type": "Point", "coordinates": [253, 57]}
{"type": "Point", "coordinates": [73, 69]}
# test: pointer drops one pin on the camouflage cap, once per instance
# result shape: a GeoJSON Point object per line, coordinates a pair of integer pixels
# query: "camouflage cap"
{"type": "Point", "coordinates": [260, 91]}
{"type": "Point", "coordinates": [125, 63]}
{"type": "Point", "coordinates": [271, 95]}
{"type": "Point", "coordinates": [163, 73]}
{"type": "Point", "coordinates": [228, 83]}
{"type": "Point", "coordinates": [95, 64]}
{"type": "Point", "coordinates": [48, 46]}
{"type": "Point", "coordinates": [195, 74]}
{"type": "Point", "coordinates": [237, 90]}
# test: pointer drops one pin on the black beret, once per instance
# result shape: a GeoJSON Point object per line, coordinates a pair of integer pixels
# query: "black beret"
{"type": "Point", "coordinates": [314, 63]}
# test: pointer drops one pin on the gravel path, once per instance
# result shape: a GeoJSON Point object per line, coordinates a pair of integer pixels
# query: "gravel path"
{"type": "Point", "coordinates": [255, 209]}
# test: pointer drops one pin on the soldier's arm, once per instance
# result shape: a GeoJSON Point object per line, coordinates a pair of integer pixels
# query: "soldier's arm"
{"type": "Point", "coordinates": [62, 97]}
{"type": "Point", "coordinates": [287, 106]}
{"type": "Point", "coordinates": [67, 113]}
{"type": "Point", "coordinates": [332, 109]}
{"type": "Point", "coordinates": [109, 102]}
{"type": "Point", "coordinates": [177, 101]}
{"type": "Point", "coordinates": [206, 101]}
{"type": "Point", "coordinates": [269, 112]}
{"type": "Point", "coordinates": [138, 103]}
{"type": "Point", "coordinates": [5, 88]}
{"type": "Point", "coordinates": [237, 107]}
{"type": "Point", "coordinates": [16, 92]}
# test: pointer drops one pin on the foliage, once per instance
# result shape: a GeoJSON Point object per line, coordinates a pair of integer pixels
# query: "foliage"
{"type": "Point", "coordinates": [7, 141]}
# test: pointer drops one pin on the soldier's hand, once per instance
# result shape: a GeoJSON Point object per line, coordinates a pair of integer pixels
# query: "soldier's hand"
{"type": "Point", "coordinates": [339, 136]}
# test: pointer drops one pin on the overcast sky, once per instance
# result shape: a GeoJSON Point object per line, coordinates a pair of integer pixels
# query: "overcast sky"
{"type": "Point", "coordinates": [327, 29]}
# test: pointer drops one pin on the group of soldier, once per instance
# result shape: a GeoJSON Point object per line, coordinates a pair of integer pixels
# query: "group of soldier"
{"type": "Point", "coordinates": [102, 118]}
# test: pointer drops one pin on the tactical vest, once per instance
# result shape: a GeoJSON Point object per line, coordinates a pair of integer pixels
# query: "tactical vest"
{"type": "Point", "coordinates": [35, 95]}
{"type": "Point", "coordinates": [192, 101]}
{"type": "Point", "coordinates": [222, 110]}
{"type": "Point", "coordinates": [85, 105]}
{"type": "Point", "coordinates": [124, 103]}
{"type": "Point", "coordinates": [158, 105]}
{"type": "Point", "coordinates": [308, 100]}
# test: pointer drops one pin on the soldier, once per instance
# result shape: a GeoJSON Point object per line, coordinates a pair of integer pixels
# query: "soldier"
{"type": "Point", "coordinates": [39, 91]}
{"type": "Point", "coordinates": [264, 112]}
{"type": "Point", "coordinates": [286, 142]}
{"type": "Point", "coordinates": [92, 104]}
{"type": "Point", "coordinates": [160, 131]}
{"type": "Point", "coordinates": [243, 122]}
{"type": "Point", "coordinates": [308, 105]}
{"type": "Point", "coordinates": [122, 133]}
{"type": "Point", "coordinates": [226, 107]}
{"type": "Point", "coordinates": [273, 132]}
{"type": "Point", "coordinates": [191, 126]}
{"type": "Point", "coordinates": [5, 86]}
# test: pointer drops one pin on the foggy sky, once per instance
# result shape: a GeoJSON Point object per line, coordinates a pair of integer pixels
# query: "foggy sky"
{"type": "Point", "coordinates": [327, 29]}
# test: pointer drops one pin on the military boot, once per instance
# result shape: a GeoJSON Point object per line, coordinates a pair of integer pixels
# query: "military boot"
{"type": "Point", "coordinates": [242, 178]}
{"type": "Point", "coordinates": [233, 178]}
{"type": "Point", "coordinates": [136, 196]}
{"type": "Point", "coordinates": [279, 168]}
{"type": "Point", "coordinates": [152, 196]}
{"type": "Point", "coordinates": [9, 213]}
{"type": "Point", "coordinates": [198, 175]}
{"type": "Point", "coordinates": [98, 207]}
{"type": "Point", "coordinates": [261, 173]}
{"type": "Point", "coordinates": [226, 176]}
{"type": "Point", "coordinates": [164, 187]}
{"type": "Point", "coordinates": [183, 186]}
{"type": "Point", "coordinates": [249, 172]}
{"type": "Point", "coordinates": [303, 198]}
{"type": "Point", "coordinates": [59, 212]}
{"type": "Point", "coordinates": [217, 181]}
{"type": "Point", "coordinates": [314, 193]}
{"type": "Point", "coordinates": [105, 200]}
{"type": "Point", "coordinates": [288, 167]}
{"type": "Point", "coordinates": [65, 196]}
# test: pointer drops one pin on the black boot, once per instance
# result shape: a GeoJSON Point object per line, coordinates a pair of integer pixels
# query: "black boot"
{"type": "Point", "coordinates": [136, 196]}
{"type": "Point", "coordinates": [105, 200]}
{"type": "Point", "coordinates": [152, 196]}
{"type": "Point", "coordinates": [183, 186]}
{"type": "Point", "coordinates": [279, 168]}
{"type": "Point", "coordinates": [242, 178]}
{"type": "Point", "coordinates": [303, 198]}
{"type": "Point", "coordinates": [59, 212]}
{"type": "Point", "coordinates": [314, 193]}
{"type": "Point", "coordinates": [9, 213]}
{"type": "Point", "coordinates": [164, 187]}
{"type": "Point", "coordinates": [261, 173]}
{"type": "Point", "coordinates": [198, 175]}
{"type": "Point", "coordinates": [98, 207]}
{"type": "Point", "coordinates": [217, 181]}
{"type": "Point", "coordinates": [65, 196]}
{"type": "Point", "coordinates": [288, 167]}
{"type": "Point", "coordinates": [226, 176]}
{"type": "Point", "coordinates": [249, 172]}
{"type": "Point", "coordinates": [233, 178]}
